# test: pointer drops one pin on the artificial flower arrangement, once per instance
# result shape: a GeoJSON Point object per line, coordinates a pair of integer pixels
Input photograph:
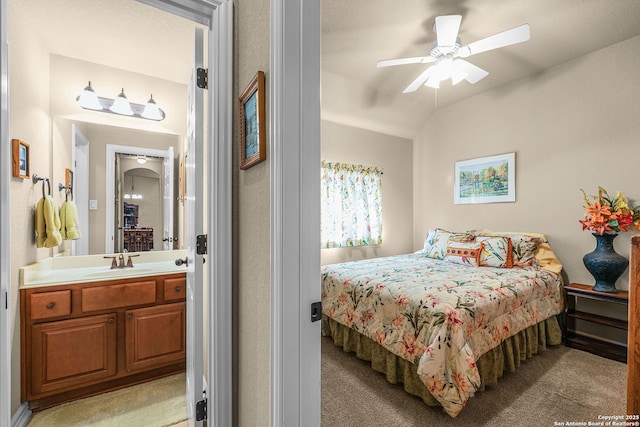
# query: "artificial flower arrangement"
{"type": "Point", "coordinates": [605, 214]}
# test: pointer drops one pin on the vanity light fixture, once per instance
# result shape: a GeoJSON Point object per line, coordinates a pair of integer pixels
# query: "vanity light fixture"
{"type": "Point", "coordinates": [151, 110]}
{"type": "Point", "coordinates": [120, 105]}
{"type": "Point", "coordinates": [88, 99]}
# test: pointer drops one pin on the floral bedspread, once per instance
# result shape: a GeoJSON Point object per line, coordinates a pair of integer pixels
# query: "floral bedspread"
{"type": "Point", "coordinates": [439, 315]}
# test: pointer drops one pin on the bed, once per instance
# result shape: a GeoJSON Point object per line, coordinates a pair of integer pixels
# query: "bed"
{"type": "Point", "coordinates": [450, 318]}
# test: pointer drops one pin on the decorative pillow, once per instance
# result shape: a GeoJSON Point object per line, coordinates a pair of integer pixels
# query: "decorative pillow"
{"type": "Point", "coordinates": [465, 253]}
{"type": "Point", "coordinates": [438, 249]}
{"type": "Point", "coordinates": [429, 240]}
{"type": "Point", "coordinates": [495, 251]}
{"type": "Point", "coordinates": [524, 247]}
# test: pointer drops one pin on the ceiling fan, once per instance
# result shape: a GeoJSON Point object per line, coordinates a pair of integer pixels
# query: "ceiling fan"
{"type": "Point", "coordinates": [447, 52]}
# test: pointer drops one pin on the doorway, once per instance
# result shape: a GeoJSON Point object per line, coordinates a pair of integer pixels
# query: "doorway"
{"type": "Point", "coordinates": [216, 16]}
{"type": "Point", "coordinates": [122, 163]}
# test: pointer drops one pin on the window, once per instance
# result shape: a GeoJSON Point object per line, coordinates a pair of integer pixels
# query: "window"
{"type": "Point", "coordinates": [351, 205]}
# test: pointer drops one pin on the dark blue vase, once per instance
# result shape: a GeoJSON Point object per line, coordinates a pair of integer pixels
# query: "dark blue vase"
{"type": "Point", "coordinates": [605, 264]}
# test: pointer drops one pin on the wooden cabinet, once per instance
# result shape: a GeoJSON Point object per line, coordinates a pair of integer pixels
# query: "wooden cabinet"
{"type": "Point", "coordinates": [86, 338]}
{"type": "Point", "coordinates": [72, 352]}
{"type": "Point", "coordinates": [155, 336]}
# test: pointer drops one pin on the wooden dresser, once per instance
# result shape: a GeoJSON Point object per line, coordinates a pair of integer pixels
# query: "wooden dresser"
{"type": "Point", "coordinates": [83, 339]}
{"type": "Point", "coordinates": [633, 354]}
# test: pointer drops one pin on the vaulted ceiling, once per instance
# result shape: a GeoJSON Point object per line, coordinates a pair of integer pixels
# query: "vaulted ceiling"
{"type": "Point", "coordinates": [355, 35]}
{"type": "Point", "coordinates": [358, 33]}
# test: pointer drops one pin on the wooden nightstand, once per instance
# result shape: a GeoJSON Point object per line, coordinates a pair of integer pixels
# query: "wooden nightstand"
{"type": "Point", "coordinates": [576, 339]}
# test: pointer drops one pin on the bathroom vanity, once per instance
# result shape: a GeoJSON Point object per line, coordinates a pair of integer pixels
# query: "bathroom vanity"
{"type": "Point", "coordinates": [82, 337]}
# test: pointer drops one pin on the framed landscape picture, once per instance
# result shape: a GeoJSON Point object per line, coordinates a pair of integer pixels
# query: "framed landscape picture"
{"type": "Point", "coordinates": [485, 180]}
{"type": "Point", "coordinates": [253, 147]}
{"type": "Point", "coordinates": [20, 154]}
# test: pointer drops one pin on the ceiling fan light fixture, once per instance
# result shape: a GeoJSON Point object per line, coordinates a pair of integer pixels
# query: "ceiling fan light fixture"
{"type": "Point", "coordinates": [447, 50]}
{"type": "Point", "coordinates": [433, 82]}
{"type": "Point", "coordinates": [121, 105]}
{"type": "Point", "coordinates": [458, 74]}
{"type": "Point", "coordinates": [444, 67]}
{"type": "Point", "coordinates": [88, 99]}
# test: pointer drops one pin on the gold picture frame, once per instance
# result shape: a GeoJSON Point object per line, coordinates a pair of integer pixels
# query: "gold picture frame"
{"type": "Point", "coordinates": [251, 105]}
{"type": "Point", "coordinates": [20, 153]}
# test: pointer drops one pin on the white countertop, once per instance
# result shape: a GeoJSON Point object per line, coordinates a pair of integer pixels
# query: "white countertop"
{"type": "Point", "coordinates": [93, 268]}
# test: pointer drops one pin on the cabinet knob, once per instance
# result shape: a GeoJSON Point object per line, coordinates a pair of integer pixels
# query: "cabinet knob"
{"type": "Point", "coordinates": [110, 321]}
{"type": "Point", "coordinates": [177, 288]}
{"type": "Point", "coordinates": [130, 316]}
{"type": "Point", "coordinates": [50, 305]}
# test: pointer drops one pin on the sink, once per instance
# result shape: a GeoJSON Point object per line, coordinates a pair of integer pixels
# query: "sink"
{"type": "Point", "coordinates": [118, 272]}
{"type": "Point", "coordinates": [92, 268]}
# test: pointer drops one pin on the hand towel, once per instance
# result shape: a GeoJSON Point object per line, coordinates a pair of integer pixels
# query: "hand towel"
{"type": "Point", "coordinates": [63, 220]}
{"type": "Point", "coordinates": [52, 223]}
{"type": "Point", "coordinates": [69, 221]}
{"type": "Point", "coordinates": [41, 232]}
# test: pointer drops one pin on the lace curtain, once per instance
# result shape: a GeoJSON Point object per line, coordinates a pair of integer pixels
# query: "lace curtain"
{"type": "Point", "coordinates": [351, 205]}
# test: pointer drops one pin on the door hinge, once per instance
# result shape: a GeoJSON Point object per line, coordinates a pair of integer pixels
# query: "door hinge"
{"type": "Point", "coordinates": [201, 410]}
{"type": "Point", "coordinates": [201, 244]}
{"type": "Point", "coordinates": [316, 311]}
{"type": "Point", "coordinates": [6, 300]}
{"type": "Point", "coordinates": [202, 78]}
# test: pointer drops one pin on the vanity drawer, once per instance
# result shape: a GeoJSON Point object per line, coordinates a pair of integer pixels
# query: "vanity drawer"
{"type": "Point", "coordinates": [114, 296]}
{"type": "Point", "coordinates": [175, 289]}
{"type": "Point", "coordinates": [50, 304]}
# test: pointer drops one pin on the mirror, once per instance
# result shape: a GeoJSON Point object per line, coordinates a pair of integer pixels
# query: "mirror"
{"type": "Point", "coordinates": [132, 168]}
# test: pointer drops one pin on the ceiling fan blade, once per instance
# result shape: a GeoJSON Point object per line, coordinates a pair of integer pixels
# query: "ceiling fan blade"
{"type": "Point", "coordinates": [471, 73]}
{"type": "Point", "coordinates": [506, 38]}
{"type": "Point", "coordinates": [420, 80]}
{"type": "Point", "coordinates": [402, 61]}
{"type": "Point", "coordinates": [447, 29]}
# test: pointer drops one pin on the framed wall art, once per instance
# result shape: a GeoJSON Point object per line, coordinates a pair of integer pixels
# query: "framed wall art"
{"type": "Point", "coordinates": [485, 180]}
{"type": "Point", "coordinates": [253, 147]}
{"type": "Point", "coordinates": [20, 154]}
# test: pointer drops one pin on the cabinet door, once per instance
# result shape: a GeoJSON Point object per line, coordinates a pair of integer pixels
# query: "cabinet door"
{"type": "Point", "coordinates": [69, 353]}
{"type": "Point", "coordinates": [155, 336]}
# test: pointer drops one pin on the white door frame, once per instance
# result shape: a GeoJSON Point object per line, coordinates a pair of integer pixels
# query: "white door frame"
{"type": "Point", "coordinates": [217, 14]}
{"type": "Point", "coordinates": [80, 167]}
{"type": "Point", "coordinates": [5, 227]}
{"type": "Point", "coordinates": [110, 190]}
{"type": "Point", "coordinates": [294, 88]}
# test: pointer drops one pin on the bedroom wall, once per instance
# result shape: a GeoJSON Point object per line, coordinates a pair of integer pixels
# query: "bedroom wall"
{"type": "Point", "coordinates": [348, 144]}
{"type": "Point", "coordinates": [251, 235]}
{"type": "Point", "coordinates": [573, 126]}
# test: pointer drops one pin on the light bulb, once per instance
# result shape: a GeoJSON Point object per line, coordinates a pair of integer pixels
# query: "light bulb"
{"type": "Point", "coordinates": [121, 105]}
{"type": "Point", "coordinates": [88, 99]}
{"type": "Point", "coordinates": [151, 110]}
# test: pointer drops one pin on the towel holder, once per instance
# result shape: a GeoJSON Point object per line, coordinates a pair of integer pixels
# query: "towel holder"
{"type": "Point", "coordinates": [69, 189]}
{"type": "Point", "coordinates": [35, 178]}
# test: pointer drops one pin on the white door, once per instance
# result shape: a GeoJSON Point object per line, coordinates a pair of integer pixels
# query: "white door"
{"type": "Point", "coordinates": [81, 189]}
{"type": "Point", "coordinates": [167, 205]}
{"type": "Point", "coordinates": [5, 216]}
{"type": "Point", "coordinates": [194, 222]}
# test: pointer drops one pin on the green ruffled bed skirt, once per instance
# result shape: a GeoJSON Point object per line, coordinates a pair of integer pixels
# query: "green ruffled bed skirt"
{"type": "Point", "coordinates": [491, 365]}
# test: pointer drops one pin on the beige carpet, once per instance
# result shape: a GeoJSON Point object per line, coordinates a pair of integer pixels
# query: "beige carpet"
{"type": "Point", "coordinates": [154, 404]}
{"type": "Point", "coordinates": [559, 385]}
